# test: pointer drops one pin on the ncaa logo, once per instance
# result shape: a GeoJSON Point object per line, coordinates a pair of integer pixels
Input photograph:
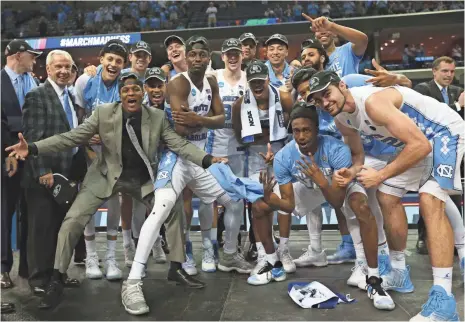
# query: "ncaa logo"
{"type": "Point", "coordinates": [232, 42]}
{"type": "Point", "coordinates": [255, 69]}
{"type": "Point", "coordinates": [142, 44]}
{"type": "Point", "coordinates": [162, 175]}
{"type": "Point", "coordinates": [193, 92]}
{"type": "Point", "coordinates": [445, 171]}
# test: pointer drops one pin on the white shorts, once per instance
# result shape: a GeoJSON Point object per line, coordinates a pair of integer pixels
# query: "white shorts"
{"type": "Point", "coordinates": [306, 200]}
{"type": "Point", "coordinates": [177, 173]}
{"type": "Point", "coordinates": [374, 163]}
{"type": "Point", "coordinates": [417, 178]}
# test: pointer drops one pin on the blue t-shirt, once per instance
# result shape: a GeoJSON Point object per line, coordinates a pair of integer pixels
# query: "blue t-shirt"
{"type": "Point", "coordinates": [332, 154]}
{"type": "Point", "coordinates": [344, 61]}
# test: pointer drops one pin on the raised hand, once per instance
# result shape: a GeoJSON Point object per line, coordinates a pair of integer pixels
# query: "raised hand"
{"type": "Point", "coordinates": [19, 151]}
{"type": "Point", "coordinates": [269, 157]}
{"type": "Point", "coordinates": [268, 184]}
{"type": "Point", "coordinates": [382, 77]}
{"type": "Point", "coordinates": [312, 170]}
{"type": "Point", "coordinates": [319, 24]}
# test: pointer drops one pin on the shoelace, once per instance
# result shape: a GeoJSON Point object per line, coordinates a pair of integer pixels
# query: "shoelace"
{"type": "Point", "coordinates": [91, 261]}
{"type": "Point", "coordinates": [208, 255]}
{"type": "Point", "coordinates": [398, 278]}
{"type": "Point", "coordinates": [134, 293]}
{"type": "Point", "coordinates": [111, 263]}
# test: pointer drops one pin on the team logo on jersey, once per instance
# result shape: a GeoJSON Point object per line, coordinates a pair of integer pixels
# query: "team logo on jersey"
{"type": "Point", "coordinates": [220, 84]}
{"type": "Point", "coordinates": [193, 92]}
{"type": "Point", "coordinates": [324, 158]}
{"type": "Point", "coordinates": [445, 171]}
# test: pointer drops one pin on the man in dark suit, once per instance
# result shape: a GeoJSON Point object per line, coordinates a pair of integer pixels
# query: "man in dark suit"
{"type": "Point", "coordinates": [16, 81]}
{"type": "Point", "coordinates": [48, 110]}
{"type": "Point", "coordinates": [441, 88]}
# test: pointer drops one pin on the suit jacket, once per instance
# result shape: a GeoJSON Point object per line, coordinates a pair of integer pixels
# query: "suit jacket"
{"type": "Point", "coordinates": [43, 117]}
{"type": "Point", "coordinates": [107, 121]}
{"type": "Point", "coordinates": [10, 104]}
{"type": "Point", "coordinates": [432, 90]}
{"type": "Point", "coordinates": [6, 138]}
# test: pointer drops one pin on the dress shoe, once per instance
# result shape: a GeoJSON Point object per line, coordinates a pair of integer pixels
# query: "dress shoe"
{"type": "Point", "coordinates": [71, 283]}
{"type": "Point", "coordinates": [6, 281]}
{"type": "Point", "coordinates": [53, 295]}
{"type": "Point", "coordinates": [7, 307]}
{"type": "Point", "coordinates": [421, 247]}
{"type": "Point", "coordinates": [182, 278]}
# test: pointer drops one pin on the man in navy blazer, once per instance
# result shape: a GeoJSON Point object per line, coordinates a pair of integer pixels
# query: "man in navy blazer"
{"type": "Point", "coordinates": [17, 81]}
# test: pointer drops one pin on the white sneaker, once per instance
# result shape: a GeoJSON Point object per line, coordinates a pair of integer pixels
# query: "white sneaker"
{"type": "Point", "coordinates": [375, 292]}
{"type": "Point", "coordinates": [112, 271]}
{"type": "Point", "coordinates": [286, 258]}
{"type": "Point", "coordinates": [358, 277]}
{"type": "Point", "coordinates": [261, 263]}
{"type": "Point", "coordinates": [158, 253]}
{"type": "Point", "coordinates": [133, 299]}
{"type": "Point", "coordinates": [208, 260]}
{"type": "Point", "coordinates": [311, 258]}
{"type": "Point", "coordinates": [189, 266]}
{"type": "Point", "coordinates": [92, 269]}
{"type": "Point", "coordinates": [129, 253]}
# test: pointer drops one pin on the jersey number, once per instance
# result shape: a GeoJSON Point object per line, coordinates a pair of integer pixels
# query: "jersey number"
{"type": "Point", "coordinates": [227, 112]}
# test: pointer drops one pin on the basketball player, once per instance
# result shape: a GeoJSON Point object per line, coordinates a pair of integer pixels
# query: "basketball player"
{"type": "Point", "coordinates": [407, 120]}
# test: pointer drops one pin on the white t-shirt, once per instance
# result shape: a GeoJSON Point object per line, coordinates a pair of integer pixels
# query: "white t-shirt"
{"type": "Point", "coordinates": [211, 12]}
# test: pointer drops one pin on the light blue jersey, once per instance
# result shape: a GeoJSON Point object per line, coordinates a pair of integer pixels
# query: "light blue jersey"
{"type": "Point", "coordinates": [343, 60]}
{"type": "Point", "coordinates": [332, 154]}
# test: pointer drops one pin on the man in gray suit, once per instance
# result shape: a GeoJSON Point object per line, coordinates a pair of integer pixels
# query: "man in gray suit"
{"type": "Point", "coordinates": [125, 166]}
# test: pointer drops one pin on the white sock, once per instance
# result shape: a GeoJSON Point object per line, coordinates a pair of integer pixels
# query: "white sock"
{"type": "Point", "coordinates": [315, 243]}
{"type": "Point", "coordinates": [383, 249]}
{"type": "Point", "coordinates": [283, 242]}
{"type": "Point", "coordinates": [373, 272]}
{"type": "Point", "coordinates": [443, 277]}
{"type": "Point", "coordinates": [137, 271]}
{"type": "Point", "coordinates": [272, 258]}
{"type": "Point", "coordinates": [214, 233]}
{"type": "Point", "coordinates": [111, 245]}
{"type": "Point", "coordinates": [260, 249]}
{"type": "Point", "coordinates": [91, 247]}
{"type": "Point", "coordinates": [398, 259]}
{"type": "Point", "coordinates": [127, 237]}
{"type": "Point", "coordinates": [360, 254]}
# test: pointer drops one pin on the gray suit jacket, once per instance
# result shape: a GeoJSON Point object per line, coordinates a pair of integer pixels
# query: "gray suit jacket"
{"type": "Point", "coordinates": [107, 121]}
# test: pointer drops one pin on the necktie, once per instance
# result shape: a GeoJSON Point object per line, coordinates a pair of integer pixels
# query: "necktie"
{"type": "Point", "coordinates": [68, 110]}
{"type": "Point", "coordinates": [135, 142]}
{"type": "Point", "coordinates": [20, 90]}
{"type": "Point", "coordinates": [444, 95]}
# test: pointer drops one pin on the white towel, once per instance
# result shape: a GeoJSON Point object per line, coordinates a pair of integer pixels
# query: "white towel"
{"type": "Point", "coordinates": [251, 120]}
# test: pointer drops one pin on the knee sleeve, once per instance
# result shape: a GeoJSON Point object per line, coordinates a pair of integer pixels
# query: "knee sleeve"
{"type": "Point", "coordinates": [456, 221]}
{"type": "Point", "coordinates": [314, 221]}
{"type": "Point", "coordinates": [205, 216]}
{"type": "Point", "coordinates": [352, 225]}
{"type": "Point", "coordinates": [232, 224]}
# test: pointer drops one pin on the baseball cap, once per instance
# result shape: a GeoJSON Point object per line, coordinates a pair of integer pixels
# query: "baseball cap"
{"type": "Point", "coordinates": [301, 74]}
{"type": "Point", "coordinates": [172, 38]}
{"type": "Point", "coordinates": [278, 37]}
{"type": "Point", "coordinates": [19, 46]}
{"type": "Point", "coordinates": [155, 72]}
{"type": "Point", "coordinates": [256, 70]}
{"type": "Point", "coordinates": [141, 46]}
{"type": "Point", "coordinates": [311, 43]}
{"type": "Point", "coordinates": [321, 80]}
{"type": "Point", "coordinates": [123, 77]}
{"type": "Point", "coordinates": [197, 40]}
{"type": "Point", "coordinates": [117, 47]}
{"type": "Point", "coordinates": [231, 44]}
{"type": "Point", "coordinates": [63, 191]}
{"type": "Point", "coordinates": [246, 36]}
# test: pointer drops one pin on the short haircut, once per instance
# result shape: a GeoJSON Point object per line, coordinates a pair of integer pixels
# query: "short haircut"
{"type": "Point", "coordinates": [58, 52]}
{"type": "Point", "coordinates": [445, 59]}
{"type": "Point", "coordinates": [302, 110]}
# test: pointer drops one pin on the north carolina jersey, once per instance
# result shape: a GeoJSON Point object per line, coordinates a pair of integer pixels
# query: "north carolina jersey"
{"type": "Point", "coordinates": [332, 154]}
{"type": "Point", "coordinates": [222, 142]}
{"type": "Point", "coordinates": [442, 127]}
{"type": "Point", "coordinates": [200, 103]}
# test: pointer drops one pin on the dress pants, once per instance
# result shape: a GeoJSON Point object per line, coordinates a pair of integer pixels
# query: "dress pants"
{"type": "Point", "coordinates": [13, 201]}
{"type": "Point", "coordinates": [84, 207]}
{"type": "Point", "coordinates": [45, 219]}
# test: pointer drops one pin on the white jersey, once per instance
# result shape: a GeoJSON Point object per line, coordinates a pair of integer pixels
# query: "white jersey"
{"type": "Point", "coordinates": [442, 127]}
{"type": "Point", "coordinates": [200, 103]}
{"type": "Point", "coordinates": [222, 142]}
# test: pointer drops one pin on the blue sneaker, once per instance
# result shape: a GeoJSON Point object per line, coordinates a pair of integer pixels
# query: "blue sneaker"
{"type": "Point", "coordinates": [398, 280]}
{"type": "Point", "coordinates": [345, 252]}
{"type": "Point", "coordinates": [384, 263]}
{"type": "Point", "coordinates": [267, 274]}
{"type": "Point", "coordinates": [439, 307]}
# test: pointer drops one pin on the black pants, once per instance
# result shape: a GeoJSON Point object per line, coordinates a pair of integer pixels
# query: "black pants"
{"type": "Point", "coordinates": [13, 201]}
{"type": "Point", "coordinates": [45, 218]}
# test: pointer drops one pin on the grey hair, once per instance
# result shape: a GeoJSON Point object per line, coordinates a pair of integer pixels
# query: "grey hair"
{"type": "Point", "coordinates": [59, 52]}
